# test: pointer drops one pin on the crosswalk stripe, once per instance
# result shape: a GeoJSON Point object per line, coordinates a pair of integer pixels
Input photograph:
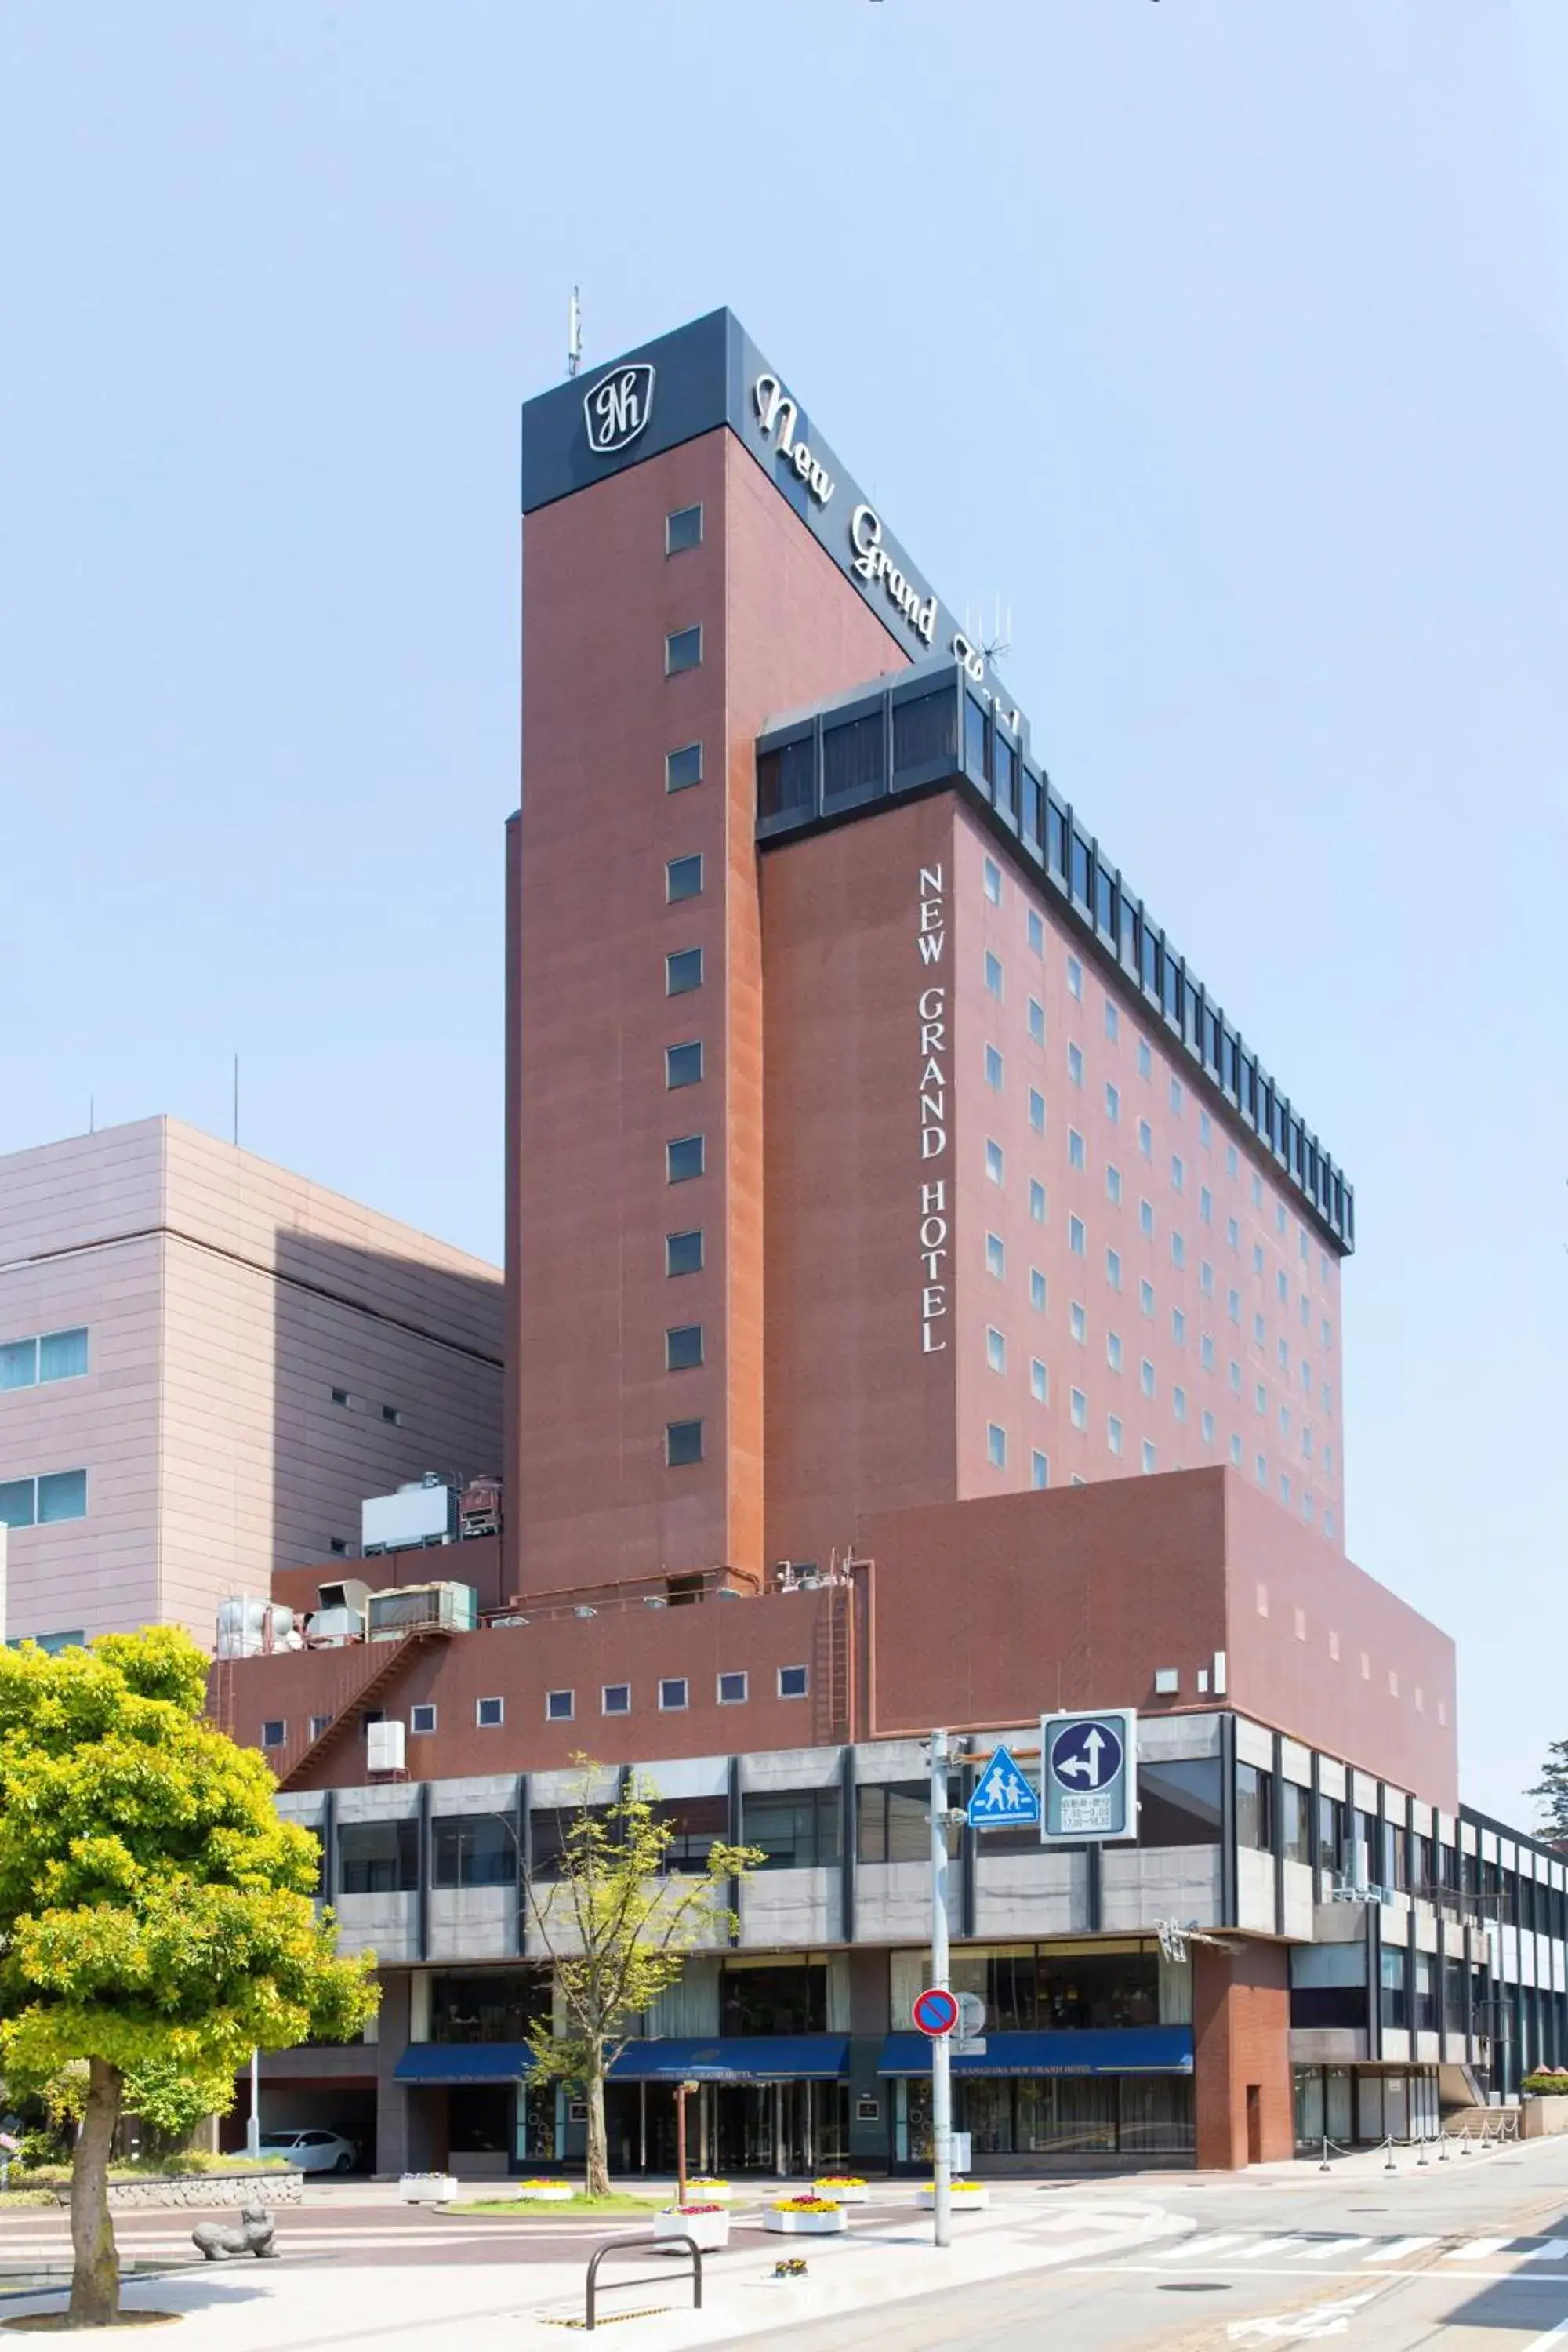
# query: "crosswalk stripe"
{"type": "Point", "coordinates": [1331, 2248]}
{"type": "Point", "coordinates": [1291, 2244]}
{"type": "Point", "coordinates": [1551, 2250]}
{"type": "Point", "coordinates": [1475, 2250]}
{"type": "Point", "coordinates": [1397, 2249]}
{"type": "Point", "coordinates": [1195, 2246]}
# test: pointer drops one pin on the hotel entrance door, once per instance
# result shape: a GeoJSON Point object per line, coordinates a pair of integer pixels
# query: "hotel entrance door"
{"type": "Point", "coordinates": [790, 2129]}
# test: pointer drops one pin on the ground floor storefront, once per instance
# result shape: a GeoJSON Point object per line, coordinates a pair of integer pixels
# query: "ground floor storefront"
{"type": "Point", "coordinates": [1359, 2106]}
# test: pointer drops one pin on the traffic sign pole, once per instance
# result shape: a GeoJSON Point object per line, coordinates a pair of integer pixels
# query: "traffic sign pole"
{"type": "Point", "coordinates": [941, 2067]}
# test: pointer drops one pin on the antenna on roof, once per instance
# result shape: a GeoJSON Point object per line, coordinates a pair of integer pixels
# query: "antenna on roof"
{"type": "Point", "coordinates": [574, 332]}
{"type": "Point", "coordinates": [995, 642]}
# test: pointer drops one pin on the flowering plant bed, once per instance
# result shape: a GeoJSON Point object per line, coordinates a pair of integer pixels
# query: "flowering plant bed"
{"type": "Point", "coordinates": [426, 2187]}
{"type": "Point", "coordinates": [968, 2196]}
{"type": "Point", "coordinates": [808, 2217]}
{"type": "Point", "coordinates": [715, 2192]}
{"type": "Point", "coordinates": [842, 2189]}
{"type": "Point", "coordinates": [707, 2225]}
{"type": "Point", "coordinates": [546, 2192]}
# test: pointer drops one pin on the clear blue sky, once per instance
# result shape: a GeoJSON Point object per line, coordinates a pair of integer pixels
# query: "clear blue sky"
{"type": "Point", "coordinates": [1225, 341]}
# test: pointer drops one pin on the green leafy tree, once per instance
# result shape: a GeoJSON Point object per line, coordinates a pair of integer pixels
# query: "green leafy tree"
{"type": "Point", "coordinates": [1552, 1790]}
{"type": "Point", "coordinates": [618, 1930]}
{"type": "Point", "coordinates": [156, 1916]}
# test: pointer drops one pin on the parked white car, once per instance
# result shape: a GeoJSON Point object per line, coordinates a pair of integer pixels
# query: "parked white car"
{"type": "Point", "coordinates": [312, 2151]}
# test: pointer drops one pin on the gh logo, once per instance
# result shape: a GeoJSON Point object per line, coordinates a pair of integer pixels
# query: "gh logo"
{"type": "Point", "coordinates": [618, 406]}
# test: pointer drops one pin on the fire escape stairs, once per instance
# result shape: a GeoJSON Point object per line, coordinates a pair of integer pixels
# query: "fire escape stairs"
{"type": "Point", "coordinates": [383, 1661]}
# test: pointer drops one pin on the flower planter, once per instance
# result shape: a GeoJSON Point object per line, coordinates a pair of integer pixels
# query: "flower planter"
{"type": "Point", "coordinates": [968, 2196]}
{"type": "Point", "coordinates": [842, 2192]}
{"type": "Point", "coordinates": [709, 2192]}
{"type": "Point", "coordinates": [426, 2187]}
{"type": "Point", "coordinates": [709, 2230]}
{"type": "Point", "coordinates": [545, 2192]}
{"type": "Point", "coordinates": [787, 2225]}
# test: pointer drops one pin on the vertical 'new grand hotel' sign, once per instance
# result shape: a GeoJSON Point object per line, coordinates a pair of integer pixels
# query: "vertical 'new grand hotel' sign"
{"type": "Point", "coordinates": [930, 938]}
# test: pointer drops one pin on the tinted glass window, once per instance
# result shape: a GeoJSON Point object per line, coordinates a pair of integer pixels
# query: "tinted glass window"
{"type": "Point", "coordinates": [790, 1999]}
{"type": "Point", "coordinates": [786, 780]}
{"type": "Point", "coordinates": [1179, 1802]}
{"type": "Point", "coordinates": [378, 1857]}
{"type": "Point", "coordinates": [682, 1442]}
{"type": "Point", "coordinates": [924, 730]}
{"type": "Point", "coordinates": [62, 1355]}
{"type": "Point", "coordinates": [683, 767]}
{"type": "Point", "coordinates": [683, 1158]}
{"type": "Point", "coordinates": [683, 878]}
{"type": "Point", "coordinates": [682, 650]}
{"type": "Point", "coordinates": [683, 971]}
{"type": "Point", "coordinates": [683, 1348]}
{"type": "Point", "coordinates": [62, 1496]}
{"type": "Point", "coordinates": [799, 1830]}
{"type": "Point", "coordinates": [683, 529]}
{"type": "Point", "coordinates": [472, 1850]}
{"type": "Point", "coordinates": [683, 1065]}
{"type": "Point", "coordinates": [683, 1253]}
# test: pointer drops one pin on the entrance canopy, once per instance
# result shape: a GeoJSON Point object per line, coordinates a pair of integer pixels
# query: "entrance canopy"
{"type": "Point", "coordinates": [739, 2058]}
{"type": "Point", "coordinates": [464, 2062]}
{"type": "Point", "coordinates": [1091, 2050]}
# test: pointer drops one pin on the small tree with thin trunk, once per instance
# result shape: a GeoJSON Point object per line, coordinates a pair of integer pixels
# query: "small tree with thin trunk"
{"type": "Point", "coordinates": [1551, 1789]}
{"type": "Point", "coordinates": [619, 1928]}
{"type": "Point", "coordinates": [156, 1917]}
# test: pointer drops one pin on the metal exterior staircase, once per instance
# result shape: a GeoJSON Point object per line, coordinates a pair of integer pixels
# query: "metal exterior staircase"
{"type": "Point", "coordinates": [378, 1666]}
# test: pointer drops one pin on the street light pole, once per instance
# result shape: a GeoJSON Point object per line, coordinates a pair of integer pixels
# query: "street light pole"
{"type": "Point", "coordinates": [940, 2065]}
{"type": "Point", "coordinates": [253, 2122]}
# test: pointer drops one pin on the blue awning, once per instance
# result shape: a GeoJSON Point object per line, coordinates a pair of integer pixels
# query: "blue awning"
{"type": "Point", "coordinates": [464, 2062]}
{"type": "Point", "coordinates": [1092, 2050]}
{"type": "Point", "coordinates": [737, 2058]}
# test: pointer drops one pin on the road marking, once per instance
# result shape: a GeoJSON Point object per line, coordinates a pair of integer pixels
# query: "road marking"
{"type": "Point", "coordinates": [1551, 2250]}
{"type": "Point", "coordinates": [1477, 2250]}
{"type": "Point", "coordinates": [1195, 2246]}
{"type": "Point", "coordinates": [1397, 2248]}
{"type": "Point", "coordinates": [1290, 2244]}
{"type": "Point", "coordinates": [1552, 2336]}
{"type": "Point", "coordinates": [1330, 2246]}
{"type": "Point", "coordinates": [1320, 2319]}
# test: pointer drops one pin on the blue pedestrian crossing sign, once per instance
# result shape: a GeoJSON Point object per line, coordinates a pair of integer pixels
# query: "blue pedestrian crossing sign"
{"type": "Point", "coordinates": [1002, 1799]}
{"type": "Point", "coordinates": [1088, 1780]}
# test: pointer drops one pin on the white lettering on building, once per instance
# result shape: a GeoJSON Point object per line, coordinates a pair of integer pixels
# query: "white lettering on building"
{"type": "Point", "coordinates": [931, 1008]}
{"type": "Point", "coordinates": [777, 412]}
{"type": "Point", "coordinates": [873, 563]}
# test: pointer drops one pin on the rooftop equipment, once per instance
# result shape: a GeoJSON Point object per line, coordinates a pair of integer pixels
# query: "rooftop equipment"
{"type": "Point", "coordinates": [454, 1608]}
{"type": "Point", "coordinates": [422, 1513]}
{"type": "Point", "coordinates": [384, 1745]}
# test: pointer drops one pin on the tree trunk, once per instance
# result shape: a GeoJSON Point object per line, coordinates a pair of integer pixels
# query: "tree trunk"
{"type": "Point", "coordinates": [597, 2183]}
{"type": "Point", "coordinates": [95, 2279]}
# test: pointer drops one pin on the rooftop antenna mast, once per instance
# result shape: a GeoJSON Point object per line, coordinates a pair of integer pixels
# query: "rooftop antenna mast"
{"type": "Point", "coordinates": [574, 332]}
{"type": "Point", "coordinates": [995, 642]}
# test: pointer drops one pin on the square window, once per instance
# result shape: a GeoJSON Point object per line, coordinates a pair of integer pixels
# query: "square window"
{"type": "Point", "coordinates": [1146, 1377]}
{"type": "Point", "coordinates": [991, 881]}
{"type": "Point", "coordinates": [1078, 1408]}
{"type": "Point", "coordinates": [340, 1396]}
{"type": "Point", "coordinates": [683, 971]}
{"type": "Point", "coordinates": [338, 1547]}
{"type": "Point", "coordinates": [422, 1718]}
{"type": "Point", "coordinates": [1036, 1200]}
{"type": "Point", "coordinates": [1075, 978]}
{"type": "Point", "coordinates": [274, 1732]}
{"type": "Point", "coordinates": [683, 650]}
{"type": "Point", "coordinates": [1145, 1138]}
{"type": "Point", "coordinates": [996, 1350]}
{"type": "Point", "coordinates": [683, 529]}
{"type": "Point", "coordinates": [683, 767]}
{"type": "Point", "coordinates": [682, 1443]}
{"type": "Point", "coordinates": [1112, 1019]}
{"type": "Point", "coordinates": [19, 1364]}
{"type": "Point", "coordinates": [994, 1161]}
{"type": "Point", "coordinates": [995, 1255]}
{"type": "Point", "coordinates": [1040, 1381]}
{"type": "Point", "coordinates": [732, 1690]}
{"type": "Point", "coordinates": [1143, 1058]}
{"type": "Point", "coordinates": [62, 1355]}
{"type": "Point", "coordinates": [1112, 1103]}
{"type": "Point", "coordinates": [682, 879]}
{"type": "Point", "coordinates": [1146, 1216]}
{"type": "Point", "coordinates": [996, 1446]}
{"type": "Point", "coordinates": [672, 1693]}
{"type": "Point", "coordinates": [1177, 1174]}
{"type": "Point", "coordinates": [559, 1705]}
{"type": "Point", "coordinates": [389, 1413]}
{"type": "Point", "coordinates": [1036, 1110]}
{"type": "Point", "coordinates": [1113, 1350]}
{"type": "Point", "coordinates": [62, 1496]}
{"type": "Point", "coordinates": [1113, 1432]}
{"type": "Point", "coordinates": [1077, 1322]}
{"type": "Point", "coordinates": [1039, 1470]}
{"type": "Point", "coordinates": [489, 1712]}
{"type": "Point", "coordinates": [683, 1348]}
{"type": "Point", "coordinates": [1077, 1238]}
{"type": "Point", "coordinates": [1037, 1021]}
{"type": "Point", "coordinates": [1036, 1290]}
{"type": "Point", "coordinates": [683, 1063]}
{"type": "Point", "coordinates": [1075, 1064]}
{"type": "Point", "coordinates": [615, 1698]}
{"type": "Point", "coordinates": [992, 1068]}
{"type": "Point", "coordinates": [684, 1156]}
{"type": "Point", "coordinates": [683, 1253]}
{"type": "Point", "coordinates": [1148, 1457]}
{"type": "Point", "coordinates": [1146, 1298]}
{"type": "Point", "coordinates": [18, 1502]}
{"type": "Point", "coordinates": [319, 1724]}
{"type": "Point", "coordinates": [993, 973]}
{"type": "Point", "coordinates": [1113, 1185]}
{"type": "Point", "coordinates": [1075, 1149]}
{"type": "Point", "coordinates": [792, 1682]}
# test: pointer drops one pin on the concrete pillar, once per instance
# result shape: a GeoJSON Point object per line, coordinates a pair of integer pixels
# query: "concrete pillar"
{"type": "Point", "coordinates": [1241, 2079]}
{"type": "Point", "coordinates": [391, 2154]}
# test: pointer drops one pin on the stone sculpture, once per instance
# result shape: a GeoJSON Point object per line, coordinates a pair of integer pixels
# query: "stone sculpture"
{"type": "Point", "coordinates": [220, 2241]}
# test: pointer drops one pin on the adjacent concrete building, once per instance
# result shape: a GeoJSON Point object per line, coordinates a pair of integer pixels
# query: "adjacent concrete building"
{"type": "Point", "coordinates": [205, 1363]}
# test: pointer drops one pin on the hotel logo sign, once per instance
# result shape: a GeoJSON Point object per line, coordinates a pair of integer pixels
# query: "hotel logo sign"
{"type": "Point", "coordinates": [778, 416]}
{"type": "Point", "coordinates": [930, 1009]}
{"type": "Point", "coordinates": [618, 406]}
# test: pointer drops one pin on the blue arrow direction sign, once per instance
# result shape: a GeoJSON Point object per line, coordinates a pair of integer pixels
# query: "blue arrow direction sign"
{"type": "Point", "coordinates": [1002, 1799]}
{"type": "Point", "coordinates": [1087, 1755]}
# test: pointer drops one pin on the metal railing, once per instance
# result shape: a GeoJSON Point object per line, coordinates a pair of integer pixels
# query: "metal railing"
{"type": "Point", "coordinates": [644, 2278]}
{"type": "Point", "coordinates": [1498, 2135]}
